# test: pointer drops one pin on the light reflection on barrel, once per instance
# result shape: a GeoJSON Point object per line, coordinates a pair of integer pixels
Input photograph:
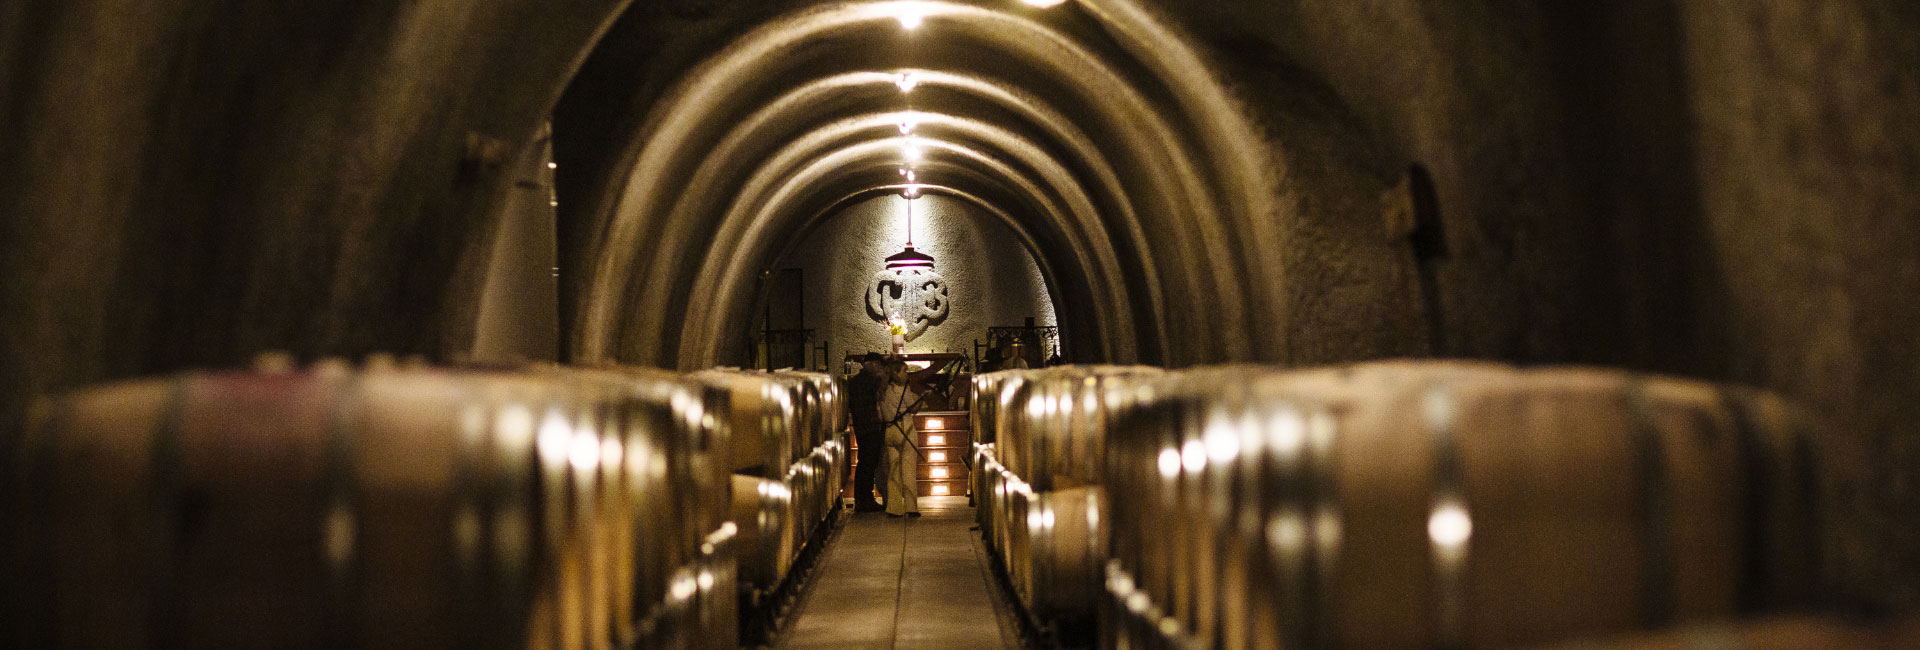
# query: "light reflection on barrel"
{"type": "Point", "coordinates": [403, 506]}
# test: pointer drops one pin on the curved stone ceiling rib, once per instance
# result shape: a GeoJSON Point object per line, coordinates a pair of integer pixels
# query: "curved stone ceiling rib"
{"type": "Point", "coordinates": [753, 226]}
{"type": "Point", "coordinates": [748, 145]}
{"type": "Point", "coordinates": [1071, 290]}
{"type": "Point", "coordinates": [1198, 173]}
{"type": "Point", "coordinates": [742, 237]}
{"type": "Point", "coordinates": [661, 328]}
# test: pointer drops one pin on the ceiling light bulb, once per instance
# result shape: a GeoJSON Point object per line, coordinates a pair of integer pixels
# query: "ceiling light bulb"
{"type": "Point", "coordinates": [913, 153]}
{"type": "Point", "coordinates": [906, 128]}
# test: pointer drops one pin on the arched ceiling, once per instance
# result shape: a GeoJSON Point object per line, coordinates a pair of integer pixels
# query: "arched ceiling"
{"type": "Point", "coordinates": [1037, 113]}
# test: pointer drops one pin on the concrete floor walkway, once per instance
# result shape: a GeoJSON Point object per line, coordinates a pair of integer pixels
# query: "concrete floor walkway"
{"type": "Point", "coordinates": [903, 584]}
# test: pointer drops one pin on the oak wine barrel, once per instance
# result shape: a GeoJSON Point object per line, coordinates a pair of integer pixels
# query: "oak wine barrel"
{"type": "Point", "coordinates": [331, 508]}
{"type": "Point", "coordinates": [1450, 505]}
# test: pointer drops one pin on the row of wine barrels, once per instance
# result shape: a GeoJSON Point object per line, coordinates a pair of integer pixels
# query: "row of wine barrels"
{"type": "Point", "coordinates": [688, 568]}
{"type": "Point", "coordinates": [1037, 484]}
{"type": "Point", "coordinates": [819, 466]}
{"type": "Point", "coordinates": [1405, 504]}
{"type": "Point", "coordinates": [789, 457]}
{"type": "Point", "coordinates": [332, 507]}
{"type": "Point", "coordinates": [1792, 633]}
{"type": "Point", "coordinates": [989, 389]}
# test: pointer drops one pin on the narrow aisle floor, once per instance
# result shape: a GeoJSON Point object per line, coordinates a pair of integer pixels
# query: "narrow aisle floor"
{"type": "Point", "coordinates": [903, 583]}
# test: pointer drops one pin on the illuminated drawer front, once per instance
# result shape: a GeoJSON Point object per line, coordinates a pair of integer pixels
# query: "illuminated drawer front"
{"type": "Point", "coordinates": [943, 439]}
{"type": "Point", "coordinates": [955, 421]}
{"type": "Point", "coordinates": [943, 472]}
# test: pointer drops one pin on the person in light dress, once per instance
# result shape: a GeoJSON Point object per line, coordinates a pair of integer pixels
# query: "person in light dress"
{"type": "Point", "coordinates": [897, 404]}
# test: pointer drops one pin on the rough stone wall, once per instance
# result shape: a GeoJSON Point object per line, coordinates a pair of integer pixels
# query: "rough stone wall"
{"type": "Point", "coordinates": [1809, 161]}
{"type": "Point", "coordinates": [1466, 91]}
{"type": "Point", "coordinates": [190, 182]}
{"type": "Point", "coordinates": [642, 55]}
{"type": "Point", "coordinates": [992, 280]}
{"type": "Point", "coordinates": [1717, 189]}
{"type": "Point", "coordinates": [518, 316]}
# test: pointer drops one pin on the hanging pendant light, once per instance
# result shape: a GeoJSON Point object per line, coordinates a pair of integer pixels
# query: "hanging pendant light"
{"type": "Point", "coordinates": [908, 295]}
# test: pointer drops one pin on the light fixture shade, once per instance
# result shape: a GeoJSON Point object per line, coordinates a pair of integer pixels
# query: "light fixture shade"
{"type": "Point", "coordinates": [910, 259]}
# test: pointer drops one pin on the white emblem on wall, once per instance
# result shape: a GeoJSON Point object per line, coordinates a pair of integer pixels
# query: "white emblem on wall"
{"type": "Point", "coordinates": [908, 290]}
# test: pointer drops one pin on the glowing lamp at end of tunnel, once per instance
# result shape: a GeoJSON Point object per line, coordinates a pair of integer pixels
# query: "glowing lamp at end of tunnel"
{"type": "Point", "coordinates": [585, 451]}
{"type": "Point", "coordinates": [1450, 526]}
{"type": "Point", "coordinates": [1193, 456]}
{"type": "Point", "coordinates": [1169, 462]}
{"type": "Point", "coordinates": [555, 440]}
{"type": "Point", "coordinates": [611, 453]}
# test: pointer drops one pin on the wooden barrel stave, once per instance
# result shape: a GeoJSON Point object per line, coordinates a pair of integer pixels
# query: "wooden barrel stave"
{"type": "Point", "coordinates": [1598, 501]}
{"type": "Point", "coordinates": [1790, 633]}
{"type": "Point", "coordinates": [328, 508]}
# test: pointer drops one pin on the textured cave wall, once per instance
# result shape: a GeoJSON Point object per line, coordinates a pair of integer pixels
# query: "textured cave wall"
{"type": "Point", "coordinates": [992, 280]}
{"type": "Point", "coordinates": [1717, 189]}
{"type": "Point", "coordinates": [641, 57]}
{"type": "Point", "coordinates": [190, 182]}
{"type": "Point", "coordinates": [1548, 133]}
{"type": "Point", "coordinates": [1353, 94]}
{"type": "Point", "coordinates": [647, 244]}
{"type": "Point", "coordinates": [518, 316]}
{"type": "Point", "coordinates": [1808, 159]}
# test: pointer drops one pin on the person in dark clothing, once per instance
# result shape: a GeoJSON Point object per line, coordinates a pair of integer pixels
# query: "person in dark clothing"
{"type": "Point", "coordinates": [869, 431]}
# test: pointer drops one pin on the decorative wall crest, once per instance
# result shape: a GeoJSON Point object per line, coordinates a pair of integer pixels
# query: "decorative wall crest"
{"type": "Point", "coordinates": [908, 292]}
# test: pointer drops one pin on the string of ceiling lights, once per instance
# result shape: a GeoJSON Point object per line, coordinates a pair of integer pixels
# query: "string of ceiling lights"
{"type": "Point", "coordinates": [884, 297]}
{"type": "Point", "coordinates": [911, 16]}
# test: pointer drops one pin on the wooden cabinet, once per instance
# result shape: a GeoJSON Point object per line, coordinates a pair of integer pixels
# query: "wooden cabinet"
{"type": "Point", "coordinates": [944, 436]}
